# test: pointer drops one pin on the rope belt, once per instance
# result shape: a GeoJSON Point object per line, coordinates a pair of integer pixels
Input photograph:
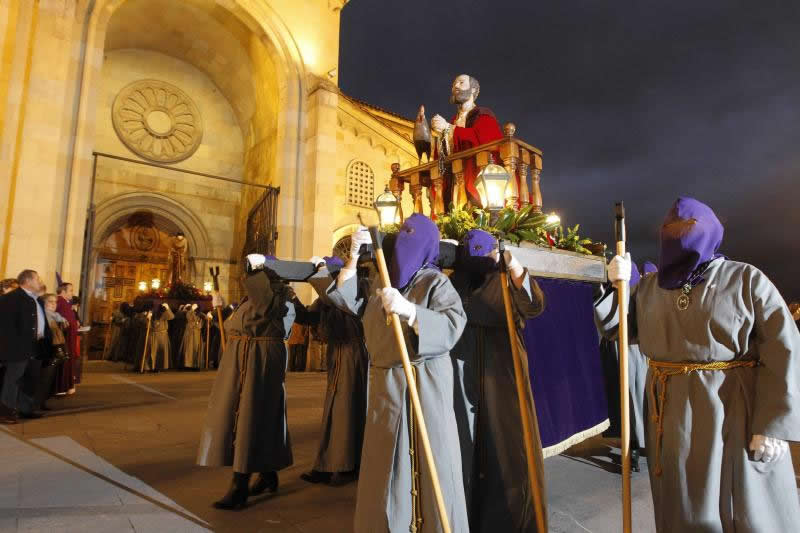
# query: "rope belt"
{"type": "Point", "coordinates": [413, 452]}
{"type": "Point", "coordinates": [662, 371]}
{"type": "Point", "coordinates": [244, 349]}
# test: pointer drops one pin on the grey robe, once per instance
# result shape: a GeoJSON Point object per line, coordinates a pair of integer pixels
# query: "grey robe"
{"type": "Point", "coordinates": [384, 499]}
{"type": "Point", "coordinates": [112, 351]}
{"type": "Point", "coordinates": [710, 482]}
{"type": "Point", "coordinates": [192, 350]}
{"type": "Point", "coordinates": [637, 378]}
{"type": "Point", "coordinates": [158, 349]}
{"type": "Point", "coordinates": [261, 442]}
{"type": "Point", "coordinates": [345, 410]}
{"type": "Point", "coordinates": [490, 429]}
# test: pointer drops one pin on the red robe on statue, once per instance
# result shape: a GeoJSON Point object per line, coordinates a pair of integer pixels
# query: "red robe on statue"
{"type": "Point", "coordinates": [480, 127]}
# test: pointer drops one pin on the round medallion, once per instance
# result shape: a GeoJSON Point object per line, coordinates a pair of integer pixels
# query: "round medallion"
{"type": "Point", "coordinates": [157, 121]}
{"type": "Point", "coordinates": [144, 238]}
{"type": "Point", "coordinates": [683, 302]}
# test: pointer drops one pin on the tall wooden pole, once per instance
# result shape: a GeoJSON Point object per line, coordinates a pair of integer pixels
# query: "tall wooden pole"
{"type": "Point", "coordinates": [146, 341]}
{"type": "Point", "coordinates": [622, 296]}
{"type": "Point", "coordinates": [412, 384]}
{"type": "Point", "coordinates": [208, 337]}
{"type": "Point", "coordinates": [215, 277]}
{"type": "Point", "coordinates": [523, 391]}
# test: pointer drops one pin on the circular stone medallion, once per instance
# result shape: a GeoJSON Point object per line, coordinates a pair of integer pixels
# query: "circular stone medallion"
{"type": "Point", "coordinates": [157, 121]}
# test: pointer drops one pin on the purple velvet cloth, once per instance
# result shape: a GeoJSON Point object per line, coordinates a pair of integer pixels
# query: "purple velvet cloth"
{"type": "Point", "coordinates": [416, 247]}
{"type": "Point", "coordinates": [564, 361]}
{"type": "Point", "coordinates": [683, 251]}
{"type": "Point", "coordinates": [649, 267]}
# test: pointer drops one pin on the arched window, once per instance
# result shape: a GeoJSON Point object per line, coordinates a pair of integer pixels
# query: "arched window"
{"type": "Point", "coordinates": [360, 184]}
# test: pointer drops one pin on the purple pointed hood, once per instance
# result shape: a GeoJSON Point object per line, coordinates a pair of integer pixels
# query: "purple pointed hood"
{"type": "Point", "coordinates": [333, 262]}
{"type": "Point", "coordinates": [691, 234]}
{"type": "Point", "coordinates": [649, 268]}
{"type": "Point", "coordinates": [635, 275]}
{"type": "Point", "coordinates": [475, 249]}
{"type": "Point", "coordinates": [416, 247]}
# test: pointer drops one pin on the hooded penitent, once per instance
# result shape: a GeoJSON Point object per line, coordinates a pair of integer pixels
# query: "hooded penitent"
{"type": "Point", "coordinates": [649, 268]}
{"type": "Point", "coordinates": [416, 247]}
{"type": "Point", "coordinates": [690, 237]}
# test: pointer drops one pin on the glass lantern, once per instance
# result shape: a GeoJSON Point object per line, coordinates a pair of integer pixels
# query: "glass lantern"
{"type": "Point", "coordinates": [142, 286]}
{"type": "Point", "coordinates": [155, 284]}
{"type": "Point", "coordinates": [491, 184]}
{"type": "Point", "coordinates": [207, 286]}
{"type": "Point", "coordinates": [388, 208]}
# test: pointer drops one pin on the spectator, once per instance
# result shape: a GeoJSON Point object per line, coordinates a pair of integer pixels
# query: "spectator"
{"type": "Point", "coordinates": [298, 345]}
{"type": "Point", "coordinates": [27, 338]}
{"type": "Point", "coordinates": [58, 325]}
{"type": "Point", "coordinates": [8, 285]}
{"type": "Point", "coordinates": [65, 379]}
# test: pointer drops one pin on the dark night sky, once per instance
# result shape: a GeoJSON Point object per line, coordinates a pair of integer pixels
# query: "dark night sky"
{"type": "Point", "coordinates": [628, 100]}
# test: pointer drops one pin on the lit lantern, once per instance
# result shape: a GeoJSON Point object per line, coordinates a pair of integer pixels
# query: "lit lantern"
{"type": "Point", "coordinates": [491, 184]}
{"type": "Point", "coordinates": [155, 284]}
{"type": "Point", "coordinates": [388, 208]}
{"type": "Point", "coordinates": [142, 286]}
{"type": "Point", "coordinates": [207, 286]}
{"type": "Point", "coordinates": [552, 218]}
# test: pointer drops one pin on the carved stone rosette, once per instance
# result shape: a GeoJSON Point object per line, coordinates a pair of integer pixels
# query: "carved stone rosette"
{"type": "Point", "coordinates": [157, 121]}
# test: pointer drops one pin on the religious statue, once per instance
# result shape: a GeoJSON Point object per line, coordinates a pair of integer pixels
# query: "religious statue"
{"type": "Point", "coordinates": [178, 252]}
{"type": "Point", "coordinates": [471, 126]}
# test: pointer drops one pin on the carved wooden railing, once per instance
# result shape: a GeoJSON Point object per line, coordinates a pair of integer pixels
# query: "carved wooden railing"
{"type": "Point", "coordinates": [518, 157]}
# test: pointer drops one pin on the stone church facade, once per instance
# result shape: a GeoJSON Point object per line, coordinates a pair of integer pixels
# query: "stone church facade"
{"type": "Point", "coordinates": [123, 122]}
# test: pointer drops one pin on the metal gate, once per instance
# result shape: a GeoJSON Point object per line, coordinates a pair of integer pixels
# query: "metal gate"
{"type": "Point", "coordinates": [262, 225]}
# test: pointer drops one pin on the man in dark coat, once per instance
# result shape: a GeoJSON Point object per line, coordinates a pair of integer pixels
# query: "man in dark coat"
{"type": "Point", "coordinates": [27, 339]}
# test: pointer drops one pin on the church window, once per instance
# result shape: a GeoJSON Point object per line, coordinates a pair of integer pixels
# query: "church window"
{"type": "Point", "coordinates": [360, 184]}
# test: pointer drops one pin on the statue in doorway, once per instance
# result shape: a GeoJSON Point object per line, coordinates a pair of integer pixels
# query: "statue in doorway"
{"type": "Point", "coordinates": [178, 255]}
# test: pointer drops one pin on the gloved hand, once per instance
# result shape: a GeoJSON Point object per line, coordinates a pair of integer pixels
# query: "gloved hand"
{"type": "Point", "coordinates": [149, 314]}
{"type": "Point", "coordinates": [394, 302]}
{"type": "Point", "coordinates": [194, 307]}
{"type": "Point", "coordinates": [768, 449]}
{"type": "Point", "coordinates": [209, 316]}
{"type": "Point", "coordinates": [316, 260]}
{"type": "Point", "coordinates": [216, 299]}
{"type": "Point", "coordinates": [619, 269]}
{"type": "Point", "coordinates": [165, 305]}
{"type": "Point", "coordinates": [359, 237]}
{"type": "Point", "coordinates": [255, 261]}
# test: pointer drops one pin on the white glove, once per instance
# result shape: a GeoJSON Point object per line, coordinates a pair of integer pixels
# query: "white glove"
{"type": "Point", "coordinates": [216, 300]}
{"type": "Point", "coordinates": [209, 315]}
{"type": "Point", "coordinates": [149, 314]}
{"type": "Point", "coordinates": [394, 302]}
{"type": "Point", "coordinates": [316, 260]}
{"type": "Point", "coordinates": [165, 305]}
{"type": "Point", "coordinates": [361, 236]}
{"type": "Point", "coordinates": [619, 269]}
{"type": "Point", "coordinates": [256, 261]}
{"type": "Point", "coordinates": [194, 307]}
{"type": "Point", "coordinates": [768, 449]}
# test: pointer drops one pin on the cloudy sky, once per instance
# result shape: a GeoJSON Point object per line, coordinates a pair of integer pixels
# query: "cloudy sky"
{"type": "Point", "coordinates": [641, 101]}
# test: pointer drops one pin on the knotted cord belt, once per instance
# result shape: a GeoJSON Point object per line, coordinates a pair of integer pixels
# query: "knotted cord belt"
{"type": "Point", "coordinates": [244, 347]}
{"type": "Point", "coordinates": [662, 371]}
{"type": "Point", "coordinates": [416, 482]}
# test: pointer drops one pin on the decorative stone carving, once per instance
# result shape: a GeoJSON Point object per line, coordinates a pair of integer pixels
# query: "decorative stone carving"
{"type": "Point", "coordinates": [157, 121]}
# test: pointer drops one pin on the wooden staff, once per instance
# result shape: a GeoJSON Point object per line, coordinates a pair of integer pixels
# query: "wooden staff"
{"type": "Point", "coordinates": [412, 382]}
{"type": "Point", "coordinates": [107, 342]}
{"type": "Point", "coordinates": [215, 275]}
{"type": "Point", "coordinates": [523, 390]}
{"type": "Point", "coordinates": [146, 340]}
{"type": "Point", "coordinates": [208, 337]}
{"type": "Point", "coordinates": [622, 296]}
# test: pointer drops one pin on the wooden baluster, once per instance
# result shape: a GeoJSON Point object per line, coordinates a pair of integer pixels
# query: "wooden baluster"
{"type": "Point", "coordinates": [416, 192]}
{"type": "Point", "coordinates": [437, 187]}
{"type": "Point", "coordinates": [509, 153]}
{"type": "Point", "coordinates": [396, 185]}
{"type": "Point", "coordinates": [459, 188]}
{"type": "Point", "coordinates": [524, 166]}
{"type": "Point", "coordinates": [536, 193]}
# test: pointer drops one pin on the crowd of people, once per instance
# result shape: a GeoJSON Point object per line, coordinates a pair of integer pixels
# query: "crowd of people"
{"type": "Point", "coordinates": [41, 357]}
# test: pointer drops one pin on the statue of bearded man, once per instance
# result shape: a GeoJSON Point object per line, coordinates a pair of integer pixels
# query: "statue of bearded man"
{"type": "Point", "coordinates": [471, 126]}
{"type": "Point", "coordinates": [178, 253]}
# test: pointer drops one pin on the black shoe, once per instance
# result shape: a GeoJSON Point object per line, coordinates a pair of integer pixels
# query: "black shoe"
{"type": "Point", "coordinates": [315, 476]}
{"type": "Point", "coordinates": [342, 478]}
{"type": "Point", "coordinates": [45, 408]}
{"type": "Point", "coordinates": [265, 481]}
{"type": "Point", "coordinates": [30, 416]}
{"type": "Point", "coordinates": [8, 416]}
{"type": "Point", "coordinates": [236, 498]}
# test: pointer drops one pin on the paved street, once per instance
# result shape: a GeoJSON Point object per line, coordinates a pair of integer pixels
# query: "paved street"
{"type": "Point", "coordinates": [119, 456]}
